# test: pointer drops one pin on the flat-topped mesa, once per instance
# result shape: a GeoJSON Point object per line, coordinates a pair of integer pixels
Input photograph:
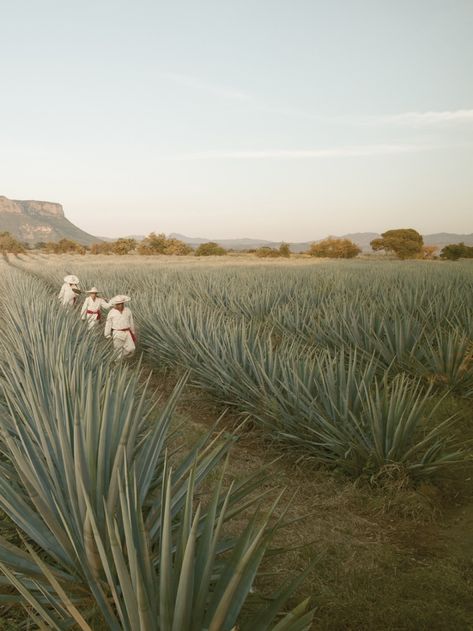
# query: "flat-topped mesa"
{"type": "Point", "coordinates": [9, 206]}
{"type": "Point", "coordinates": [33, 207]}
{"type": "Point", "coordinates": [30, 207]}
{"type": "Point", "coordinates": [36, 221]}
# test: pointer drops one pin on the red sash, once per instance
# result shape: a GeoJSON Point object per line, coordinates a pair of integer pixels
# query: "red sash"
{"type": "Point", "coordinates": [133, 336]}
{"type": "Point", "coordinates": [97, 313]}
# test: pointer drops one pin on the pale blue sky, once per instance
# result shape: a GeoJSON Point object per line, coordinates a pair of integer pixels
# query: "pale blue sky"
{"type": "Point", "coordinates": [278, 119]}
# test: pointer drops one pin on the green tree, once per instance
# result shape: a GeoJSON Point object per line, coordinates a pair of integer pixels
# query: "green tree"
{"type": "Point", "coordinates": [10, 245]}
{"type": "Point", "coordinates": [455, 251]}
{"type": "Point", "coordinates": [210, 249]}
{"type": "Point", "coordinates": [102, 247]}
{"type": "Point", "coordinates": [267, 252]}
{"type": "Point", "coordinates": [65, 246]}
{"type": "Point", "coordinates": [153, 244]}
{"type": "Point", "coordinates": [284, 250]}
{"type": "Point", "coordinates": [123, 246]}
{"type": "Point", "coordinates": [176, 247]}
{"type": "Point", "coordinates": [160, 244]}
{"type": "Point", "coordinates": [406, 243]}
{"type": "Point", "coordinates": [333, 248]}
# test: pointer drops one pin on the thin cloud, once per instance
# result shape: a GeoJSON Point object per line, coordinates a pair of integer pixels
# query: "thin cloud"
{"type": "Point", "coordinates": [231, 93]}
{"type": "Point", "coordinates": [299, 154]}
{"type": "Point", "coordinates": [225, 92]}
{"type": "Point", "coordinates": [404, 119]}
{"type": "Point", "coordinates": [427, 119]}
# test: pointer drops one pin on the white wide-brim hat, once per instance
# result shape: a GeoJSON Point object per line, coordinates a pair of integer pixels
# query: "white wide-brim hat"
{"type": "Point", "coordinates": [118, 300]}
{"type": "Point", "coordinates": [71, 279]}
{"type": "Point", "coordinates": [94, 290]}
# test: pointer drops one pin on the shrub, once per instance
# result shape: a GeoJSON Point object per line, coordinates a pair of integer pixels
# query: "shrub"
{"type": "Point", "coordinates": [284, 250]}
{"type": "Point", "coordinates": [210, 249]}
{"type": "Point", "coordinates": [65, 246]}
{"type": "Point", "coordinates": [123, 246]}
{"type": "Point", "coordinates": [153, 244]}
{"type": "Point", "coordinates": [103, 247]}
{"type": "Point", "coordinates": [333, 248]}
{"type": "Point", "coordinates": [8, 244]}
{"type": "Point", "coordinates": [456, 251]}
{"type": "Point", "coordinates": [160, 244]}
{"type": "Point", "coordinates": [175, 247]}
{"type": "Point", "coordinates": [267, 252]}
{"type": "Point", "coordinates": [428, 252]}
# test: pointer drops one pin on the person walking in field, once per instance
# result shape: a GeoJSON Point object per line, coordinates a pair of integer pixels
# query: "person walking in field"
{"type": "Point", "coordinates": [92, 307]}
{"type": "Point", "coordinates": [120, 326]}
{"type": "Point", "coordinates": [69, 291]}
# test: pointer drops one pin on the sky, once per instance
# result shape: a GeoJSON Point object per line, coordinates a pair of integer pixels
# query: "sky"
{"type": "Point", "coordinates": [277, 119]}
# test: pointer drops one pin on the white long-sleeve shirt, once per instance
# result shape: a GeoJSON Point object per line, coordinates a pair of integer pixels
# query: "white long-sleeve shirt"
{"type": "Point", "coordinates": [117, 321]}
{"type": "Point", "coordinates": [67, 297]}
{"type": "Point", "coordinates": [93, 305]}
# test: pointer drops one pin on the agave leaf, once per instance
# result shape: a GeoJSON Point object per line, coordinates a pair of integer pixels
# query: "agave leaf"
{"type": "Point", "coordinates": [32, 600]}
{"type": "Point", "coordinates": [65, 600]}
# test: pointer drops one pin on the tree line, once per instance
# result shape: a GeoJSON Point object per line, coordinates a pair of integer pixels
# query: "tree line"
{"type": "Point", "coordinates": [404, 243]}
{"type": "Point", "coordinates": [152, 244]}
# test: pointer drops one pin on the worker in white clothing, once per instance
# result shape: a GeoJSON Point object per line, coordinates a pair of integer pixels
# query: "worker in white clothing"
{"type": "Point", "coordinates": [120, 326]}
{"type": "Point", "coordinates": [69, 291]}
{"type": "Point", "coordinates": [92, 307]}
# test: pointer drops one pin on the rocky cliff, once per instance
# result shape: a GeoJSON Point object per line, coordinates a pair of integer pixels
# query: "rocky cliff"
{"type": "Point", "coordinates": [33, 221]}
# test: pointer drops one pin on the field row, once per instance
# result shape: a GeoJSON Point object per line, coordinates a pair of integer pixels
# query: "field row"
{"type": "Point", "coordinates": [115, 532]}
{"type": "Point", "coordinates": [346, 362]}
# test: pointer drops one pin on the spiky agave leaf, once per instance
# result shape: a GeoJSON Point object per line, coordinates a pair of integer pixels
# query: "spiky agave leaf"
{"type": "Point", "coordinates": [447, 359]}
{"type": "Point", "coordinates": [194, 585]}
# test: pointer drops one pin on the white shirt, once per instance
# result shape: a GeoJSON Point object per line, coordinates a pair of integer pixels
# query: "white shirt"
{"type": "Point", "coordinates": [93, 305]}
{"type": "Point", "coordinates": [117, 320]}
{"type": "Point", "coordinates": [66, 295]}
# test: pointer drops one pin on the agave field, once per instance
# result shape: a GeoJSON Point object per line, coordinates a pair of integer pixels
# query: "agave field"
{"type": "Point", "coordinates": [344, 365]}
{"type": "Point", "coordinates": [340, 362]}
{"type": "Point", "coordinates": [113, 531]}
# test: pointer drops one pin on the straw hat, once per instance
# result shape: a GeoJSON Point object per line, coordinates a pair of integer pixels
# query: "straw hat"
{"type": "Point", "coordinates": [71, 279]}
{"type": "Point", "coordinates": [94, 290]}
{"type": "Point", "coordinates": [118, 300]}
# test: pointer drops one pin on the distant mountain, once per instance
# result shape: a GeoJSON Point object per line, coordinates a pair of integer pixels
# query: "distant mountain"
{"type": "Point", "coordinates": [237, 244]}
{"type": "Point", "coordinates": [252, 244]}
{"type": "Point", "coordinates": [33, 221]}
{"type": "Point", "coordinates": [440, 239]}
{"type": "Point", "coordinates": [362, 239]}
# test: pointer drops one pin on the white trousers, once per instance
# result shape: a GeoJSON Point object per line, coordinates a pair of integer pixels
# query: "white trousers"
{"type": "Point", "coordinates": [123, 343]}
{"type": "Point", "coordinates": [92, 320]}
